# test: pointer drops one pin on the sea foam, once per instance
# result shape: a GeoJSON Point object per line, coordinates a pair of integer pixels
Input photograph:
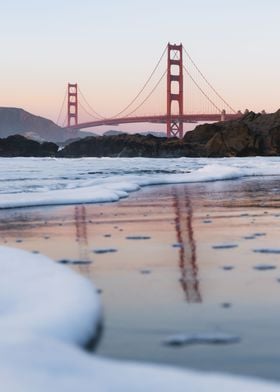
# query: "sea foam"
{"type": "Point", "coordinates": [44, 181]}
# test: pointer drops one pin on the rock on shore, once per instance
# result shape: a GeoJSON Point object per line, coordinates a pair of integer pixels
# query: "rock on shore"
{"type": "Point", "coordinates": [253, 134]}
{"type": "Point", "coordinates": [17, 145]}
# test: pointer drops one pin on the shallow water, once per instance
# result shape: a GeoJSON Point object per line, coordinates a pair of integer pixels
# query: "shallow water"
{"type": "Point", "coordinates": [152, 290]}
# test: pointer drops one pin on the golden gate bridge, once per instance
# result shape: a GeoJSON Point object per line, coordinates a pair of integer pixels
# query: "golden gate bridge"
{"type": "Point", "coordinates": [175, 73]}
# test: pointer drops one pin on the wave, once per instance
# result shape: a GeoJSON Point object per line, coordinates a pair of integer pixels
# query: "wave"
{"type": "Point", "coordinates": [95, 180]}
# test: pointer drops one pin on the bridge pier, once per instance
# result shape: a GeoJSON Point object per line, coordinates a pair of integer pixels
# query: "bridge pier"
{"type": "Point", "coordinates": [223, 115]}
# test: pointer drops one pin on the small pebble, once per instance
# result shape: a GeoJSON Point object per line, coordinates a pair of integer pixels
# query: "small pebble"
{"type": "Point", "coordinates": [264, 267]}
{"type": "Point", "coordinates": [75, 262]}
{"type": "Point", "coordinates": [274, 251]}
{"type": "Point", "coordinates": [225, 246]}
{"type": "Point", "coordinates": [104, 250]}
{"type": "Point", "coordinates": [226, 305]}
{"type": "Point", "coordinates": [145, 271]}
{"type": "Point", "coordinates": [177, 245]}
{"type": "Point", "coordinates": [138, 237]}
{"type": "Point", "coordinates": [64, 261]}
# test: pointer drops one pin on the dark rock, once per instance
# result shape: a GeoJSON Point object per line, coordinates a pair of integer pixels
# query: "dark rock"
{"type": "Point", "coordinates": [251, 135]}
{"type": "Point", "coordinates": [125, 145]}
{"type": "Point", "coordinates": [18, 145]}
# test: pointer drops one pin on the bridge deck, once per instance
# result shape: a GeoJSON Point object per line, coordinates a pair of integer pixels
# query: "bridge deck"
{"type": "Point", "coordinates": [186, 118]}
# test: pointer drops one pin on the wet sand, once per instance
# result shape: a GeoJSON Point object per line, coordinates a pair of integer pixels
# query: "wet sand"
{"type": "Point", "coordinates": [174, 259]}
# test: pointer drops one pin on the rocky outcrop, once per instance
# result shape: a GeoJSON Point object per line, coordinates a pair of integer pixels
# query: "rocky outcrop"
{"type": "Point", "coordinates": [253, 134]}
{"type": "Point", "coordinates": [17, 145]}
{"type": "Point", "coordinates": [219, 140]}
{"type": "Point", "coordinates": [126, 146]}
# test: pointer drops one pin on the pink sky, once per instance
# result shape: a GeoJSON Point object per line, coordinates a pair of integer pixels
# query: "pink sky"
{"type": "Point", "coordinates": [111, 47]}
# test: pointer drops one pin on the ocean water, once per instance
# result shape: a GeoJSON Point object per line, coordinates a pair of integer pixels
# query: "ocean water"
{"type": "Point", "coordinates": [51, 181]}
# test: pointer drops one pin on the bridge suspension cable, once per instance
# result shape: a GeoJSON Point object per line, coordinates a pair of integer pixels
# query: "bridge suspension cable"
{"type": "Point", "coordinates": [61, 108]}
{"type": "Point", "coordinates": [143, 88]}
{"type": "Point", "coordinates": [89, 113]}
{"type": "Point", "coordinates": [207, 82]}
{"type": "Point", "coordinates": [148, 96]}
{"type": "Point", "coordinates": [200, 89]}
{"type": "Point", "coordinates": [96, 114]}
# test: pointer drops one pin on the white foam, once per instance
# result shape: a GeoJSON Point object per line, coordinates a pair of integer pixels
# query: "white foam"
{"type": "Point", "coordinates": [45, 181]}
{"type": "Point", "coordinates": [30, 364]}
{"type": "Point", "coordinates": [46, 309]}
{"type": "Point", "coordinates": [44, 298]}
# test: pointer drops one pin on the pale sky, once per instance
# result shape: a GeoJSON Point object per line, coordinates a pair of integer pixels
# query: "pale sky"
{"type": "Point", "coordinates": [111, 46]}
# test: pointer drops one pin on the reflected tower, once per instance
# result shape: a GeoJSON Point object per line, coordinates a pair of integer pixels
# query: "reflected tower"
{"type": "Point", "coordinates": [81, 232]}
{"type": "Point", "coordinates": [187, 246]}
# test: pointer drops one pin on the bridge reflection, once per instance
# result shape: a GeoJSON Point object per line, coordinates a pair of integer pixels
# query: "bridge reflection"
{"type": "Point", "coordinates": [187, 246]}
{"type": "Point", "coordinates": [81, 232]}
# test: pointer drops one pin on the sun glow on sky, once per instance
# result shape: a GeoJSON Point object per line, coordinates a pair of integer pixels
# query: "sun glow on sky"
{"type": "Point", "coordinates": [110, 48]}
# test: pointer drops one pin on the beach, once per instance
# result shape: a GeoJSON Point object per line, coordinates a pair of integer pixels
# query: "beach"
{"type": "Point", "coordinates": [173, 260]}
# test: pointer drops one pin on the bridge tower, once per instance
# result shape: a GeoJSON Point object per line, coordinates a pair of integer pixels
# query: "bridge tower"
{"type": "Point", "coordinates": [72, 104]}
{"type": "Point", "coordinates": [175, 90]}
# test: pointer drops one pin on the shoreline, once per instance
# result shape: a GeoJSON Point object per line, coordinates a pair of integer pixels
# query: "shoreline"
{"type": "Point", "coordinates": [167, 278]}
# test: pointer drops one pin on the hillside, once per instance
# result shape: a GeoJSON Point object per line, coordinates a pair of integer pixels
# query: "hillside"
{"type": "Point", "coordinates": [18, 121]}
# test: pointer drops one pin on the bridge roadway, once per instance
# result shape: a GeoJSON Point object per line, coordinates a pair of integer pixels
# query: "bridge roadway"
{"type": "Point", "coordinates": [161, 119]}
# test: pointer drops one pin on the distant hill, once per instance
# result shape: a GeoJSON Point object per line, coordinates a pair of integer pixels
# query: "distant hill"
{"type": "Point", "coordinates": [154, 133]}
{"type": "Point", "coordinates": [116, 133]}
{"type": "Point", "coordinates": [112, 132]}
{"type": "Point", "coordinates": [17, 121]}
